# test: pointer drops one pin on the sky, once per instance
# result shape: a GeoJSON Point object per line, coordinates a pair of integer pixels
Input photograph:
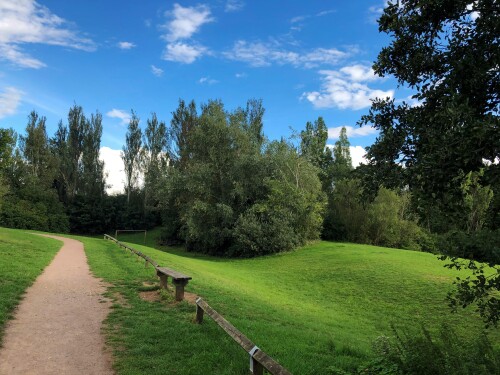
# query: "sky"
{"type": "Point", "coordinates": [304, 59]}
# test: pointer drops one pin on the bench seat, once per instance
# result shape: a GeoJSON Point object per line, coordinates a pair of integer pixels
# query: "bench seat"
{"type": "Point", "coordinates": [179, 280]}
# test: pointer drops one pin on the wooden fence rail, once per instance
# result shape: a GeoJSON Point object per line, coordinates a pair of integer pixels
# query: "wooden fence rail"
{"type": "Point", "coordinates": [258, 359]}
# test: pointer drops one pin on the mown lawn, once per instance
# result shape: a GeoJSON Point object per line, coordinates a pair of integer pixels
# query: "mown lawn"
{"type": "Point", "coordinates": [313, 309]}
{"type": "Point", "coordinates": [22, 258]}
{"type": "Point", "coordinates": [316, 308]}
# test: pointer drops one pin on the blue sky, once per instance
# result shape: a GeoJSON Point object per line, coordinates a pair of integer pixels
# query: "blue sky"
{"type": "Point", "coordinates": [303, 58]}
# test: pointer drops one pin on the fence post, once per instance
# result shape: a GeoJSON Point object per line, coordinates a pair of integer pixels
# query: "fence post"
{"type": "Point", "coordinates": [199, 312]}
{"type": "Point", "coordinates": [255, 367]}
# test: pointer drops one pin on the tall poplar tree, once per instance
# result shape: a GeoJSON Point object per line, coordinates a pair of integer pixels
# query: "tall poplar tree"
{"type": "Point", "coordinates": [131, 154]}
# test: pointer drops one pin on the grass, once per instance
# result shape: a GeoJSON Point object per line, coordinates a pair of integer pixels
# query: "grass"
{"type": "Point", "coordinates": [22, 258]}
{"type": "Point", "coordinates": [317, 307]}
{"type": "Point", "coordinates": [312, 309]}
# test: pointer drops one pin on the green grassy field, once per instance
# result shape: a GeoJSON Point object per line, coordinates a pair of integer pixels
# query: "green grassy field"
{"type": "Point", "coordinates": [22, 258]}
{"type": "Point", "coordinates": [312, 309]}
{"type": "Point", "coordinates": [320, 306]}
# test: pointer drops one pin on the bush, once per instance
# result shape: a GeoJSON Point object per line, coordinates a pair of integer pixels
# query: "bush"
{"type": "Point", "coordinates": [483, 245]}
{"type": "Point", "coordinates": [418, 353]}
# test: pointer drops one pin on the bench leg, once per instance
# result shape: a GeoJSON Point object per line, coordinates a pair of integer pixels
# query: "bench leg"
{"type": "Point", "coordinates": [163, 281]}
{"type": "Point", "coordinates": [179, 289]}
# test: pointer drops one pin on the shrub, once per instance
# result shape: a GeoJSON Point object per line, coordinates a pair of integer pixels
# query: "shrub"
{"type": "Point", "coordinates": [419, 352]}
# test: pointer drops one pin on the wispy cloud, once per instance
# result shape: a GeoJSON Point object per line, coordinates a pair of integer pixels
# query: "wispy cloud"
{"type": "Point", "coordinates": [183, 53]}
{"type": "Point", "coordinates": [10, 99]}
{"type": "Point", "coordinates": [156, 71]}
{"type": "Point", "coordinates": [260, 54]}
{"type": "Point", "coordinates": [375, 11]}
{"type": "Point", "coordinates": [240, 75]}
{"type": "Point", "coordinates": [124, 116]}
{"type": "Point", "coordinates": [126, 45]}
{"type": "Point", "coordinates": [325, 12]}
{"type": "Point", "coordinates": [183, 23]}
{"type": "Point", "coordinates": [334, 133]}
{"type": "Point", "coordinates": [207, 80]}
{"type": "Point", "coordinates": [27, 22]}
{"type": "Point", "coordinates": [346, 89]}
{"type": "Point", "coordinates": [234, 5]}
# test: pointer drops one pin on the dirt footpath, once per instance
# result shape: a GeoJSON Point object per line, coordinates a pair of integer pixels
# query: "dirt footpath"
{"type": "Point", "coordinates": [56, 329]}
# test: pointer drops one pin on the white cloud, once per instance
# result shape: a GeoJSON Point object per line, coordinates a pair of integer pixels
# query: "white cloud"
{"type": "Point", "coordinates": [359, 73]}
{"type": "Point", "coordinates": [156, 71]}
{"type": "Point", "coordinates": [358, 155]}
{"type": "Point", "coordinates": [126, 45]}
{"type": "Point", "coordinates": [27, 22]}
{"type": "Point", "coordinates": [207, 80]}
{"type": "Point", "coordinates": [120, 114]}
{"type": "Point", "coordinates": [114, 168]}
{"type": "Point", "coordinates": [234, 5]}
{"type": "Point", "coordinates": [182, 52]}
{"type": "Point", "coordinates": [183, 24]}
{"type": "Point", "coordinates": [10, 99]}
{"type": "Point", "coordinates": [351, 132]}
{"type": "Point", "coordinates": [240, 75]}
{"type": "Point", "coordinates": [259, 54]}
{"type": "Point", "coordinates": [325, 12]}
{"type": "Point", "coordinates": [186, 21]}
{"type": "Point", "coordinates": [344, 89]}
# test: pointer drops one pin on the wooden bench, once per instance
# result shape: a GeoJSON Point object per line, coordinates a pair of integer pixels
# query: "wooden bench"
{"type": "Point", "coordinates": [179, 280]}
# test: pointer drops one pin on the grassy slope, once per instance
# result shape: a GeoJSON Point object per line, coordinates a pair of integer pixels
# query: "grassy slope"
{"type": "Point", "coordinates": [22, 258]}
{"type": "Point", "coordinates": [319, 306]}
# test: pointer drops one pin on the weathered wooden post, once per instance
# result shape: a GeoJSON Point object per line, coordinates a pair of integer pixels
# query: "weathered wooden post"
{"type": "Point", "coordinates": [199, 312]}
{"type": "Point", "coordinates": [255, 367]}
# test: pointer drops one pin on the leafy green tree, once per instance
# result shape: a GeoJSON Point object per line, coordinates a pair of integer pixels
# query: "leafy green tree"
{"type": "Point", "coordinates": [7, 145]}
{"type": "Point", "coordinates": [93, 181]}
{"type": "Point", "coordinates": [131, 154]}
{"type": "Point", "coordinates": [313, 146]}
{"type": "Point", "coordinates": [342, 161]}
{"type": "Point", "coordinates": [155, 157]}
{"type": "Point", "coordinates": [449, 54]}
{"type": "Point", "coordinates": [234, 194]}
{"type": "Point", "coordinates": [184, 120]}
{"type": "Point", "coordinates": [35, 149]}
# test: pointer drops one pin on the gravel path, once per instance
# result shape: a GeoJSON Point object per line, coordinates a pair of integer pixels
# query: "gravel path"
{"type": "Point", "coordinates": [56, 328]}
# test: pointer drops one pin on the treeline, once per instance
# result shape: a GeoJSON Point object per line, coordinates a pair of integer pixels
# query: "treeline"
{"type": "Point", "coordinates": [217, 185]}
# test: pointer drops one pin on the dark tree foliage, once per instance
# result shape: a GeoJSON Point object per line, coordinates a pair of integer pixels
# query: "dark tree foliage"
{"type": "Point", "coordinates": [451, 59]}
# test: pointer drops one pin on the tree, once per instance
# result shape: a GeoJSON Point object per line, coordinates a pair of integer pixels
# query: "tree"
{"type": "Point", "coordinates": [342, 162]}
{"type": "Point", "coordinates": [184, 120]}
{"type": "Point", "coordinates": [35, 149]}
{"type": "Point", "coordinates": [448, 52]}
{"type": "Point", "coordinates": [93, 182]}
{"type": "Point", "coordinates": [131, 153]}
{"type": "Point", "coordinates": [155, 156]}
{"type": "Point", "coordinates": [313, 147]}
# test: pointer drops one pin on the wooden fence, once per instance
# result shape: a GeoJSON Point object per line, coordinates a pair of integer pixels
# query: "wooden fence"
{"type": "Point", "coordinates": [259, 360]}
